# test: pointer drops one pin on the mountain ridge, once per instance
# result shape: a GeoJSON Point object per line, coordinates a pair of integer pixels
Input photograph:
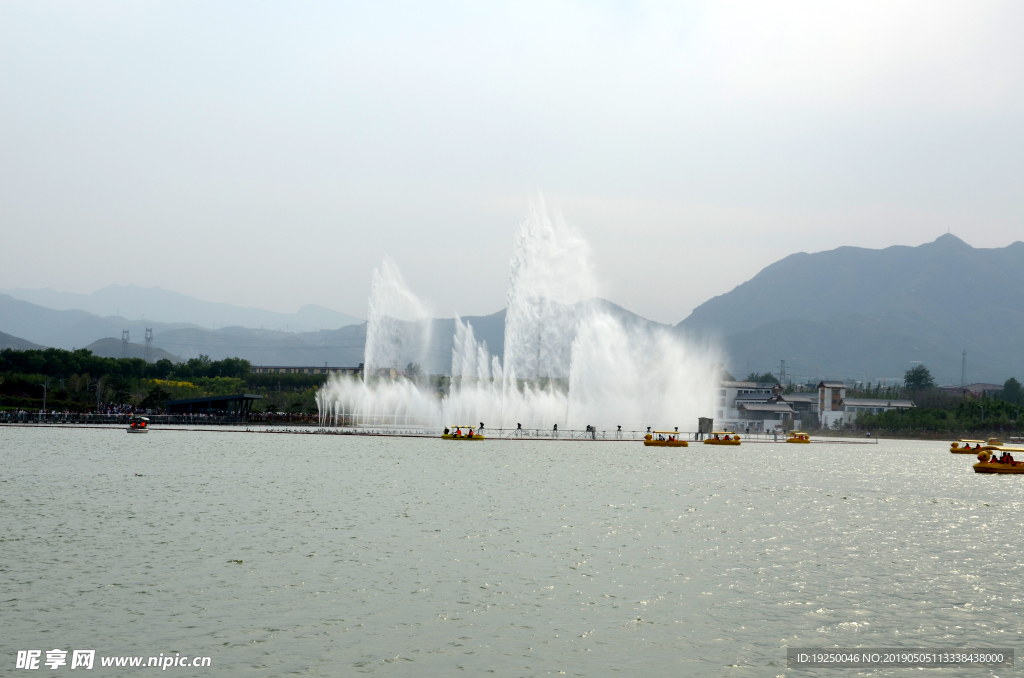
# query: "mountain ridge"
{"type": "Point", "coordinates": [156, 304]}
{"type": "Point", "coordinates": [849, 312]}
{"type": "Point", "coordinates": [912, 304]}
{"type": "Point", "coordinates": [17, 343]}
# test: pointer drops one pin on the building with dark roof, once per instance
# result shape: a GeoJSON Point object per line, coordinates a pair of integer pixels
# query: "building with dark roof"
{"type": "Point", "coordinates": [239, 405]}
{"type": "Point", "coordinates": [975, 390]}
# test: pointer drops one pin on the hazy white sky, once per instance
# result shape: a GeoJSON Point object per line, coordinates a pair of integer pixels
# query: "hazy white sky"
{"type": "Point", "coordinates": [270, 154]}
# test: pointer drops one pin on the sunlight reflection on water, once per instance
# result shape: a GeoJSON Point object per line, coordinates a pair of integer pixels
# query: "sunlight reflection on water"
{"type": "Point", "coordinates": [396, 556]}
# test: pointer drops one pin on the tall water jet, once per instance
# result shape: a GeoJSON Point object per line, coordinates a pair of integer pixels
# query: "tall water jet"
{"type": "Point", "coordinates": [481, 390]}
{"type": "Point", "coordinates": [397, 324]}
{"type": "Point", "coordinates": [550, 272]}
{"type": "Point", "coordinates": [397, 330]}
{"type": "Point", "coordinates": [636, 375]}
{"type": "Point", "coordinates": [569, 359]}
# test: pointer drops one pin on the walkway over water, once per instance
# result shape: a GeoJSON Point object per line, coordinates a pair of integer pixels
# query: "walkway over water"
{"type": "Point", "coordinates": [237, 423]}
{"type": "Point", "coordinates": [546, 434]}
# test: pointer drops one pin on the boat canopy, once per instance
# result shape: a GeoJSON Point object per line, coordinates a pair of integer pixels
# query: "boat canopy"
{"type": "Point", "coordinates": [137, 417]}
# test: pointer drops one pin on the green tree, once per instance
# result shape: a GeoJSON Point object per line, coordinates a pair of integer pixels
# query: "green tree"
{"type": "Point", "coordinates": [202, 366]}
{"type": "Point", "coordinates": [918, 378]}
{"type": "Point", "coordinates": [413, 370]}
{"type": "Point", "coordinates": [767, 377]}
{"type": "Point", "coordinates": [1012, 392]}
{"type": "Point", "coordinates": [160, 369]}
{"type": "Point", "coordinates": [156, 398]}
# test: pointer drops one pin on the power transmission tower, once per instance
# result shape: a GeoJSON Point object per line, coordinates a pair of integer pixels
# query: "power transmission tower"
{"type": "Point", "coordinates": [149, 345]}
{"type": "Point", "coordinates": [125, 338]}
{"type": "Point", "coordinates": [963, 369]}
{"type": "Point", "coordinates": [782, 373]}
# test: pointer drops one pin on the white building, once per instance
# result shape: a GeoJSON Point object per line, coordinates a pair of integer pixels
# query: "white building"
{"type": "Point", "coordinates": [833, 405]}
{"type": "Point", "coordinates": [830, 402]}
{"type": "Point", "coordinates": [776, 415]}
{"type": "Point", "coordinates": [854, 406]}
{"type": "Point", "coordinates": [743, 405]}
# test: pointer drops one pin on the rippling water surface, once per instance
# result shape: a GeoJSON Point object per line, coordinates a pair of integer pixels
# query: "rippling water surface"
{"type": "Point", "coordinates": [403, 557]}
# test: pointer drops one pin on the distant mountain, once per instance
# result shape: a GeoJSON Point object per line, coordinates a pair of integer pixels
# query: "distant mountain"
{"type": "Point", "coordinates": [855, 312]}
{"type": "Point", "coordinates": [111, 348]}
{"type": "Point", "coordinates": [268, 347]}
{"type": "Point", "coordinates": [68, 329]}
{"type": "Point", "coordinates": [845, 313]}
{"type": "Point", "coordinates": [158, 305]}
{"type": "Point", "coordinates": [8, 341]}
{"type": "Point", "coordinates": [428, 342]}
{"type": "Point", "coordinates": [436, 355]}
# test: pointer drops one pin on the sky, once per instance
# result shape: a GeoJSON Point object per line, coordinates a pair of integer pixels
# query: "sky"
{"type": "Point", "coordinates": [271, 154]}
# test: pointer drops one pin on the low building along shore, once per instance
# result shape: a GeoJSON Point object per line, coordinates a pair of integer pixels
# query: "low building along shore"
{"type": "Point", "coordinates": [765, 407]}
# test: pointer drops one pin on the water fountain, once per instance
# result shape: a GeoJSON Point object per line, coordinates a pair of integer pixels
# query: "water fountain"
{"type": "Point", "coordinates": [569, 359]}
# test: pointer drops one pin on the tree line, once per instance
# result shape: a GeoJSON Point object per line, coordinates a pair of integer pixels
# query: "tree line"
{"type": "Point", "coordinates": [937, 410]}
{"type": "Point", "coordinates": [79, 379]}
{"type": "Point", "coordinates": [52, 362]}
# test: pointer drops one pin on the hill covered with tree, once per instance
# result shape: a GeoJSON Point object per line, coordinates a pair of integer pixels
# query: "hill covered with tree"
{"type": "Point", "coordinates": [865, 313]}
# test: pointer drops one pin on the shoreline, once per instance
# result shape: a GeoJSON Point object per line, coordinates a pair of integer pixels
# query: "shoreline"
{"type": "Point", "coordinates": [297, 428]}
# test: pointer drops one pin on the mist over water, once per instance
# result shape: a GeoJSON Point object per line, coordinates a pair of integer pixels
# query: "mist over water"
{"type": "Point", "coordinates": [569, 359]}
{"type": "Point", "coordinates": [391, 302]}
{"type": "Point", "coordinates": [551, 273]}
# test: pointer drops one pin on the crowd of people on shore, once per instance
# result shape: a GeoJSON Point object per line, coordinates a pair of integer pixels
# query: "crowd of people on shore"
{"type": "Point", "coordinates": [119, 412]}
{"type": "Point", "coordinates": [57, 415]}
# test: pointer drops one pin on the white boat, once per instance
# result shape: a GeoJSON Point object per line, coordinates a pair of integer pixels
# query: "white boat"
{"type": "Point", "coordinates": [138, 424]}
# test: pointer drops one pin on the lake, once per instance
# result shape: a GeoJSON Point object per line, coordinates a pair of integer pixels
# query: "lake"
{"type": "Point", "coordinates": [341, 555]}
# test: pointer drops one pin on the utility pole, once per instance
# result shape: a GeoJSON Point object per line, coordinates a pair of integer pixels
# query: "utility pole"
{"type": "Point", "coordinates": [149, 345]}
{"type": "Point", "coordinates": [963, 369]}
{"type": "Point", "coordinates": [125, 338]}
{"type": "Point", "coordinates": [46, 382]}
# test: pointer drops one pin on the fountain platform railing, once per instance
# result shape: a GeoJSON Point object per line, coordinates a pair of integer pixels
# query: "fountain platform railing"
{"type": "Point", "coordinates": [591, 433]}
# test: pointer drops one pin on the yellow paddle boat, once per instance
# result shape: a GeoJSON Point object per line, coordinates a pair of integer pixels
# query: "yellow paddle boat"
{"type": "Point", "coordinates": [964, 446]}
{"type": "Point", "coordinates": [989, 463]}
{"type": "Point", "coordinates": [798, 437]}
{"type": "Point", "coordinates": [723, 438]}
{"type": "Point", "coordinates": [461, 433]}
{"type": "Point", "coordinates": [664, 439]}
